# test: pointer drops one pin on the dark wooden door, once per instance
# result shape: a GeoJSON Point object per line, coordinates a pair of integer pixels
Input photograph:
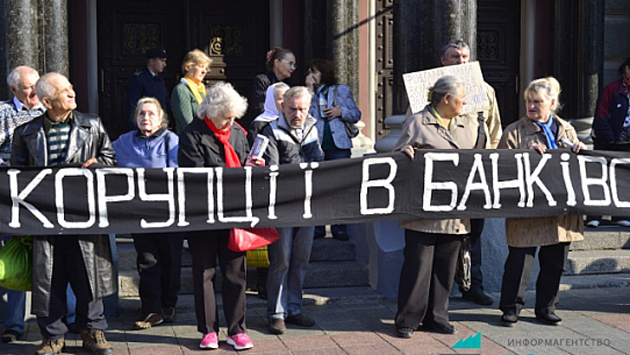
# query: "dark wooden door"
{"type": "Point", "coordinates": [236, 30]}
{"type": "Point", "coordinates": [498, 50]}
{"type": "Point", "coordinates": [384, 98]}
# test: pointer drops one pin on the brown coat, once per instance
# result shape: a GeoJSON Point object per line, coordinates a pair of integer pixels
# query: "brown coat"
{"type": "Point", "coordinates": [422, 131]}
{"type": "Point", "coordinates": [533, 232]}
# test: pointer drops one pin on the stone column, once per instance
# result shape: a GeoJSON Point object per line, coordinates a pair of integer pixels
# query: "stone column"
{"type": "Point", "coordinates": [344, 34]}
{"type": "Point", "coordinates": [421, 28]}
{"type": "Point", "coordinates": [54, 35]}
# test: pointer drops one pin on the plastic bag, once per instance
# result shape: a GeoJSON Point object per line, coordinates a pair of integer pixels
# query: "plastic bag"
{"type": "Point", "coordinates": [15, 264]}
{"type": "Point", "coordinates": [258, 258]}
{"type": "Point", "coordinates": [462, 275]}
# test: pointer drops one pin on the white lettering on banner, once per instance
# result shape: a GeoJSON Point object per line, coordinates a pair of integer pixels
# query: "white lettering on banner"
{"type": "Point", "coordinates": [249, 217]}
{"type": "Point", "coordinates": [532, 178]}
{"type": "Point", "coordinates": [430, 186]}
{"type": "Point", "coordinates": [367, 183]}
{"type": "Point", "coordinates": [181, 193]}
{"type": "Point", "coordinates": [308, 188]}
{"type": "Point", "coordinates": [497, 185]}
{"type": "Point", "coordinates": [477, 169]}
{"type": "Point", "coordinates": [273, 191]}
{"type": "Point", "coordinates": [613, 181]}
{"type": "Point", "coordinates": [103, 199]}
{"type": "Point", "coordinates": [593, 181]}
{"type": "Point", "coordinates": [17, 198]}
{"type": "Point", "coordinates": [566, 175]}
{"type": "Point", "coordinates": [89, 184]}
{"type": "Point", "coordinates": [168, 197]}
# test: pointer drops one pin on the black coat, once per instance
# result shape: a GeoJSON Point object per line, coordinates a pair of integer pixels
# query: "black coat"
{"type": "Point", "coordinates": [87, 139]}
{"type": "Point", "coordinates": [199, 147]}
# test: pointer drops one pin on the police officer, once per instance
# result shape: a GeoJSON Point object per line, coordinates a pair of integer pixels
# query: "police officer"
{"type": "Point", "coordinates": [148, 82]}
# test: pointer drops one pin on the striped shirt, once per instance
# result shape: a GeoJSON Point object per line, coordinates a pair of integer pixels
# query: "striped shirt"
{"type": "Point", "coordinates": [58, 135]}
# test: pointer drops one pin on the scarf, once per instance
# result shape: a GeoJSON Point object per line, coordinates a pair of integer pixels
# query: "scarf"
{"type": "Point", "coordinates": [198, 90]}
{"type": "Point", "coordinates": [625, 86]}
{"type": "Point", "coordinates": [271, 111]}
{"type": "Point", "coordinates": [547, 129]}
{"type": "Point", "coordinates": [231, 158]}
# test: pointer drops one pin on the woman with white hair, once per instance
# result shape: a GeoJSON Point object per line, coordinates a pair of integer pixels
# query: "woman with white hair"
{"type": "Point", "coordinates": [432, 245]}
{"type": "Point", "coordinates": [214, 140]}
{"type": "Point", "coordinates": [540, 130]}
{"type": "Point", "coordinates": [152, 145]}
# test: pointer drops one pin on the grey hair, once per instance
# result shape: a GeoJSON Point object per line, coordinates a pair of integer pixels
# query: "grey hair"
{"type": "Point", "coordinates": [221, 98]}
{"type": "Point", "coordinates": [152, 101]}
{"type": "Point", "coordinates": [45, 87]}
{"type": "Point", "coordinates": [13, 79]}
{"type": "Point", "coordinates": [445, 85]}
{"type": "Point", "coordinates": [297, 91]}
{"type": "Point", "coordinates": [277, 87]}
{"type": "Point", "coordinates": [454, 43]}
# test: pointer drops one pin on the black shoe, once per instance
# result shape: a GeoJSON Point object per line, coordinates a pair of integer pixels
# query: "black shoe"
{"type": "Point", "coordinates": [479, 297]}
{"type": "Point", "coordinates": [548, 317]}
{"type": "Point", "coordinates": [9, 336]}
{"type": "Point", "coordinates": [509, 319]}
{"type": "Point", "coordinates": [169, 314]}
{"type": "Point", "coordinates": [341, 236]}
{"type": "Point", "coordinates": [300, 319]}
{"type": "Point", "coordinates": [440, 328]}
{"type": "Point", "coordinates": [277, 326]}
{"type": "Point", "coordinates": [404, 332]}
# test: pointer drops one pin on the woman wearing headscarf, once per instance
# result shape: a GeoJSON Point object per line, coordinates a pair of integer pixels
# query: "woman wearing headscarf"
{"type": "Point", "coordinates": [188, 94]}
{"type": "Point", "coordinates": [215, 140]}
{"type": "Point", "coordinates": [152, 145]}
{"type": "Point", "coordinates": [432, 245]}
{"type": "Point", "coordinates": [274, 97]}
{"type": "Point", "coordinates": [540, 130]}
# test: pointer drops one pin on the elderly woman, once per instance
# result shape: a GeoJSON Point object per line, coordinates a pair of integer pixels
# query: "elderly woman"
{"type": "Point", "coordinates": [542, 129]}
{"type": "Point", "coordinates": [432, 246]}
{"type": "Point", "coordinates": [611, 125]}
{"type": "Point", "coordinates": [332, 105]}
{"type": "Point", "coordinates": [189, 93]}
{"type": "Point", "coordinates": [151, 145]}
{"type": "Point", "coordinates": [274, 98]}
{"type": "Point", "coordinates": [280, 63]}
{"type": "Point", "coordinates": [214, 140]}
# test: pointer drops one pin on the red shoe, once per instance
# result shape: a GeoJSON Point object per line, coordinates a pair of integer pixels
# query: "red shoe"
{"type": "Point", "coordinates": [240, 341]}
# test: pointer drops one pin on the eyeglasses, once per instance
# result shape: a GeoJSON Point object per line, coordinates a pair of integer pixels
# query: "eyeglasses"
{"type": "Point", "coordinates": [291, 64]}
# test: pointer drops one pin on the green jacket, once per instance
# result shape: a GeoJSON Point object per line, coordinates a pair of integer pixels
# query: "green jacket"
{"type": "Point", "coordinates": [184, 106]}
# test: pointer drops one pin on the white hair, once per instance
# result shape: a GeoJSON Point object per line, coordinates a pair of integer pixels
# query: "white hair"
{"type": "Point", "coordinates": [220, 99]}
{"type": "Point", "coordinates": [15, 76]}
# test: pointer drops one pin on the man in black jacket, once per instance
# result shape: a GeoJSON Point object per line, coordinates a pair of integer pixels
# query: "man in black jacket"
{"type": "Point", "coordinates": [64, 136]}
{"type": "Point", "coordinates": [148, 82]}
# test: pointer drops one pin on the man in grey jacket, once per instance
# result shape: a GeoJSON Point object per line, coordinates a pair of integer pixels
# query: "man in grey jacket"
{"type": "Point", "coordinates": [64, 136]}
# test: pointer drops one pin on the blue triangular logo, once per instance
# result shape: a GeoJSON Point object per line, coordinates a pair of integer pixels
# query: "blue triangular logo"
{"type": "Point", "coordinates": [472, 342]}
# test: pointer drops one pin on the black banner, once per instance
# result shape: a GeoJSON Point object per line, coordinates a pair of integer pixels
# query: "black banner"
{"type": "Point", "coordinates": [437, 184]}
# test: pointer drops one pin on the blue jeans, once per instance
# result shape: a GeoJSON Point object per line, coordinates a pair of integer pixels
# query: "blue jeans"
{"type": "Point", "coordinates": [16, 305]}
{"type": "Point", "coordinates": [288, 258]}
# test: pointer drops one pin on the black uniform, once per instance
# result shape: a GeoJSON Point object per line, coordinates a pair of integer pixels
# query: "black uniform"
{"type": "Point", "coordinates": [142, 84]}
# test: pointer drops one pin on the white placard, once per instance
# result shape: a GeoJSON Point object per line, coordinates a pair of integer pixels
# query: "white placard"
{"type": "Point", "coordinates": [418, 83]}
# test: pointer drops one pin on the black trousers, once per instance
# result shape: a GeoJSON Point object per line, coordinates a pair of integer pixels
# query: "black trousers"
{"type": "Point", "coordinates": [68, 267]}
{"type": "Point", "coordinates": [205, 247]}
{"type": "Point", "coordinates": [426, 278]}
{"type": "Point", "coordinates": [518, 267]}
{"type": "Point", "coordinates": [476, 277]}
{"type": "Point", "coordinates": [159, 265]}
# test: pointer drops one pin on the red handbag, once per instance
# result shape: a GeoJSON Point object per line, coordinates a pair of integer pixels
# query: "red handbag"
{"type": "Point", "coordinates": [244, 239]}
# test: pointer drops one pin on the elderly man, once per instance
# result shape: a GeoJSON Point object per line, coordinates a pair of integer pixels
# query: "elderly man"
{"type": "Point", "coordinates": [488, 136]}
{"type": "Point", "coordinates": [293, 139]}
{"type": "Point", "coordinates": [23, 107]}
{"type": "Point", "coordinates": [148, 82]}
{"type": "Point", "coordinates": [65, 136]}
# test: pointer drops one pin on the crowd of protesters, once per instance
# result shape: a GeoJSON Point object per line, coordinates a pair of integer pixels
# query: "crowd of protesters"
{"type": "Point", "coordinates": [303, 123]}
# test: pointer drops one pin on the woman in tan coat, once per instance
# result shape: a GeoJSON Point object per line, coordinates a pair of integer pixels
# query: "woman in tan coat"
{"type": "Point", "coordinates": [542, 129]}
{"type": "Point", "coordinates": [432, 245]}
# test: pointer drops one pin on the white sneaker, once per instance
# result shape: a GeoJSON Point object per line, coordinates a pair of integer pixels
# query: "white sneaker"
{"type": "Point", "coordinates": [594, 223]}
{"type": "Point", "coordinates": [623, 223]}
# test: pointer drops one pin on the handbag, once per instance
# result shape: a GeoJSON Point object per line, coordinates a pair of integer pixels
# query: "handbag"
{"type": "Point", "coordinates": [244, 239]}
{"type": "Point", "coordinates": [462, 275]}
{"type": "Point", "coordinates": [16, 268]}
{"type": "Point", "coordinates": [258, 258]}
{"type": "Point", "coordinates": [351, 129]}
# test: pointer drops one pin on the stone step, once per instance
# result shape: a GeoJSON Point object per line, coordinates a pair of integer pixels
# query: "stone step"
{"type": "Point", "coordinates": [604, 238]}
{"type": "Point", "coordinates": [320, 274]}
{"type": "Point", "coordinates": [598, 262]}
{"type": "Point", "coordinates": [325, 249]}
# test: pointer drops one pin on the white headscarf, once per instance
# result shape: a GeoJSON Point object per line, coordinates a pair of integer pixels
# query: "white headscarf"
{"type": "Point", "coordinates": [271, 111]}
